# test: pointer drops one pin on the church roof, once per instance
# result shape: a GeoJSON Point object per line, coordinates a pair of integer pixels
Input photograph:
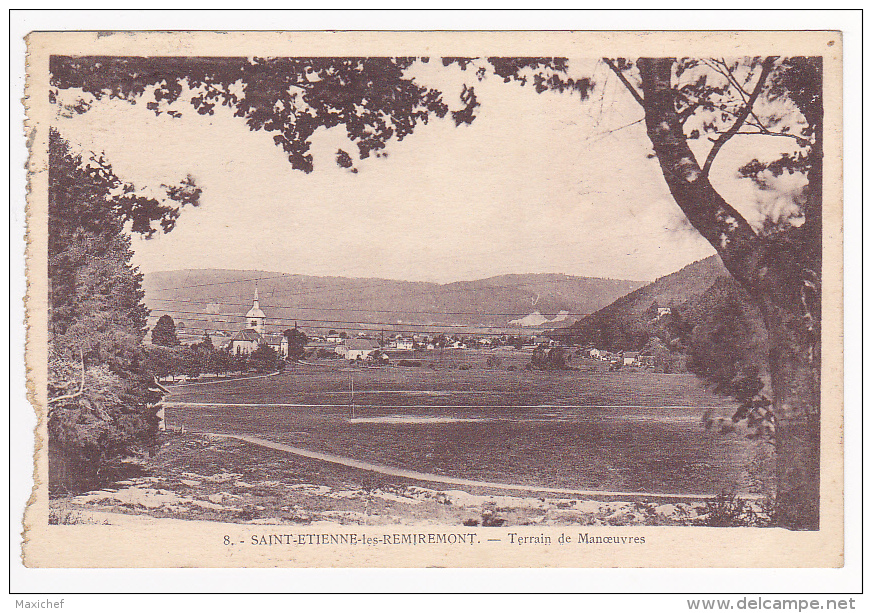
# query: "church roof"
{"type": "Point", "coordinates": [247, 335]}
{"type": "Point", "coordinates": [358, 344]}
{"type": "Point", "coordinates": [255, 308]}
{"type": "Point", "coordinates": [255, 312]}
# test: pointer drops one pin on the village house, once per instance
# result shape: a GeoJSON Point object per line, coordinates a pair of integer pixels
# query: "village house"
{"type": "Point", "coordinates": [592, 353]}
{"type": "Point", "coordinates": [276, 342]}
{"type": "Point", "coordinates": [356, 348]}
{"type": "Point", "coordinates": [245, 342]}
{"type": "Point", "coordinates": [405, 344]}
{"type": "Point", "coordinates": [321, 349]}
{"type": "Point", "coordinates": [646, 361]}
{"type": "Point", "coordinates": [629, 358]}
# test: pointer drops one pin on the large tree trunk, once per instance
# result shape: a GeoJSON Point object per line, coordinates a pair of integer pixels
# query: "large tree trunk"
{"type": "Point", "coordinates": [781, 273]}
{"type": "Point", "coordinates": [795, 373]}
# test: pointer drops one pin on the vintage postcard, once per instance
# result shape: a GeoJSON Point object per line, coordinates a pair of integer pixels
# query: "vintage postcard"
{"type": "Point", "coordinates": [435, 299]}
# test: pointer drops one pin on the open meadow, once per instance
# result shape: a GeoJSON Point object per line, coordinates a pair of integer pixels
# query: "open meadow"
{"type": "Point", "coordinates": [586, 429]}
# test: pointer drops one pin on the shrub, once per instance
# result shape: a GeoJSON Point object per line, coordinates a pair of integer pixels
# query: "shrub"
{"type": "Point", "coordinates": [68, 517]}
{"type": "Point", "coordinates": [727, 510]}
{"type": "Point", "coordinates": [490, 518]}
{"type": "Point", "coordinates": [264, 359]}
{"type": "Point", "coordinates": [555, 358]}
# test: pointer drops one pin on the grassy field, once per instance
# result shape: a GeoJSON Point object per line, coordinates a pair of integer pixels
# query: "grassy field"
{"type": "Point", "coordinates": [581, 429]}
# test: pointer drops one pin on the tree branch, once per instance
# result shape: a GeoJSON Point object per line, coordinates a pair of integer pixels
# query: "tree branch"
{"type": "Point", "coordinates": [632, 123]}
{"type": "Point", "coordinates": [743, 115]}
{"type": "Point", "coordinates": [719, 223]}
{"type": "Point", "coordinates": [684, 115]}
{"type": "Point", "coordinates": [764, 132]}
{"type": "Point", "coordinates": [624, 80]}
{"type": "Point", "coordinates": [727, 72]}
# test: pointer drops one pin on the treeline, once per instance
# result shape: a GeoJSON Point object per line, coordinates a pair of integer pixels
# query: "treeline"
{"type": "Point", "coordinates": [168, 358]}
{"type": "Point", "coordinates": [192, 361]}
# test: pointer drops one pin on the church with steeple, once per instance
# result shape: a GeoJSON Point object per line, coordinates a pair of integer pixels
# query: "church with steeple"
{"type": "Point", "coordinates": [255, 316]}
{"type": "Point", "coordinates": [254, 334]}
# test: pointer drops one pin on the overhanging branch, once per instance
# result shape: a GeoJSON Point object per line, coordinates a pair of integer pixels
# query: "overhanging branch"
{"type": "Point", "coordinates": [624, 80]}
{"type": "Point", "coordinates": [740, 119]}
{"type": "Point", "coordinates": [719, 223]}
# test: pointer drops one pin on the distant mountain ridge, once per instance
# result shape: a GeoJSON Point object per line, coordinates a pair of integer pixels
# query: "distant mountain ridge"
{"type": "Point", "coordinates": [217, 299]}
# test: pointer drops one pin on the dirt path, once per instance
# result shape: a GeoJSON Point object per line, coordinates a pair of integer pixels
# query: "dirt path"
{"type": "Point", "coordinates": [433, 478]}
{"type": "Point", "coordinates": [177, 385]}
{"type": "Point", "coordinates": [179, 404]}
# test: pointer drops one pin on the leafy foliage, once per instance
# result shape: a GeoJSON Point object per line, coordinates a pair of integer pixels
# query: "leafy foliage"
{"type": "Point", "coordinates": [100, 404]}
{"type": "Point", "coordinates": [727, 510]}
{"type": "Point", "coordinates": [288, 97]}
{"type": "Point", "coordinates": [164, 332]}
{"type": "Point", "coordinates": [297, 340]}
{"type": "Point", "coordinates": [193, 360]}
{"type": "Point", "coordinates": [372, 97]}
{"type": "Point", "coordinates": [264, 359]}
{"type": "Point", "coordinates": [711, 97]}
{"type": "Point", "coordinates": [727, 349]}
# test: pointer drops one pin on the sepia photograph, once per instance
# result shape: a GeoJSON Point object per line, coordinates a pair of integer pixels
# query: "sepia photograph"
{"type": "Point", "coordinates": [296, 290]}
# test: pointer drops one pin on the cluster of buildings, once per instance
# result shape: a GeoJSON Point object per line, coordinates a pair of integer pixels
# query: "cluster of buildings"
{"type": "Point", "coordinates": [624, 358]}
{"type": "Point", "coordinates": [254, 334]}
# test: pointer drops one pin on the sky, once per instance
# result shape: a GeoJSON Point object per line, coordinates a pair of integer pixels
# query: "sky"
{"type": "Point", "coordinates": [539, 183]}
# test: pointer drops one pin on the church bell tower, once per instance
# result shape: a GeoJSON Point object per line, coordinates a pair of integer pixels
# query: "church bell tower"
{"type": "Point", "coordinates": [255, 317]}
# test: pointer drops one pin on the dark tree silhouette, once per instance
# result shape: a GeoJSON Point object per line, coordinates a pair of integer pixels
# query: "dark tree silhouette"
{"type": "Point", "coordinates": [100, 401]}
{"type": "Point", "coordinates": [264, 359]}
{"type": "Point", "coordinates": [164, 332]}
{"type": "Point", "coordinates": [297, 340]}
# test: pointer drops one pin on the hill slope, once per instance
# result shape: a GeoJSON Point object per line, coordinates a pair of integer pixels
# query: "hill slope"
{"type": "Point", "coordinates": [624, 324]}
{"type": "Point", "coordinates": [712, 328]}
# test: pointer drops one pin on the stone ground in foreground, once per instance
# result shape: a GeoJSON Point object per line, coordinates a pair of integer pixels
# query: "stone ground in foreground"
{"type": "Point", "coordinates": [198, 477]}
